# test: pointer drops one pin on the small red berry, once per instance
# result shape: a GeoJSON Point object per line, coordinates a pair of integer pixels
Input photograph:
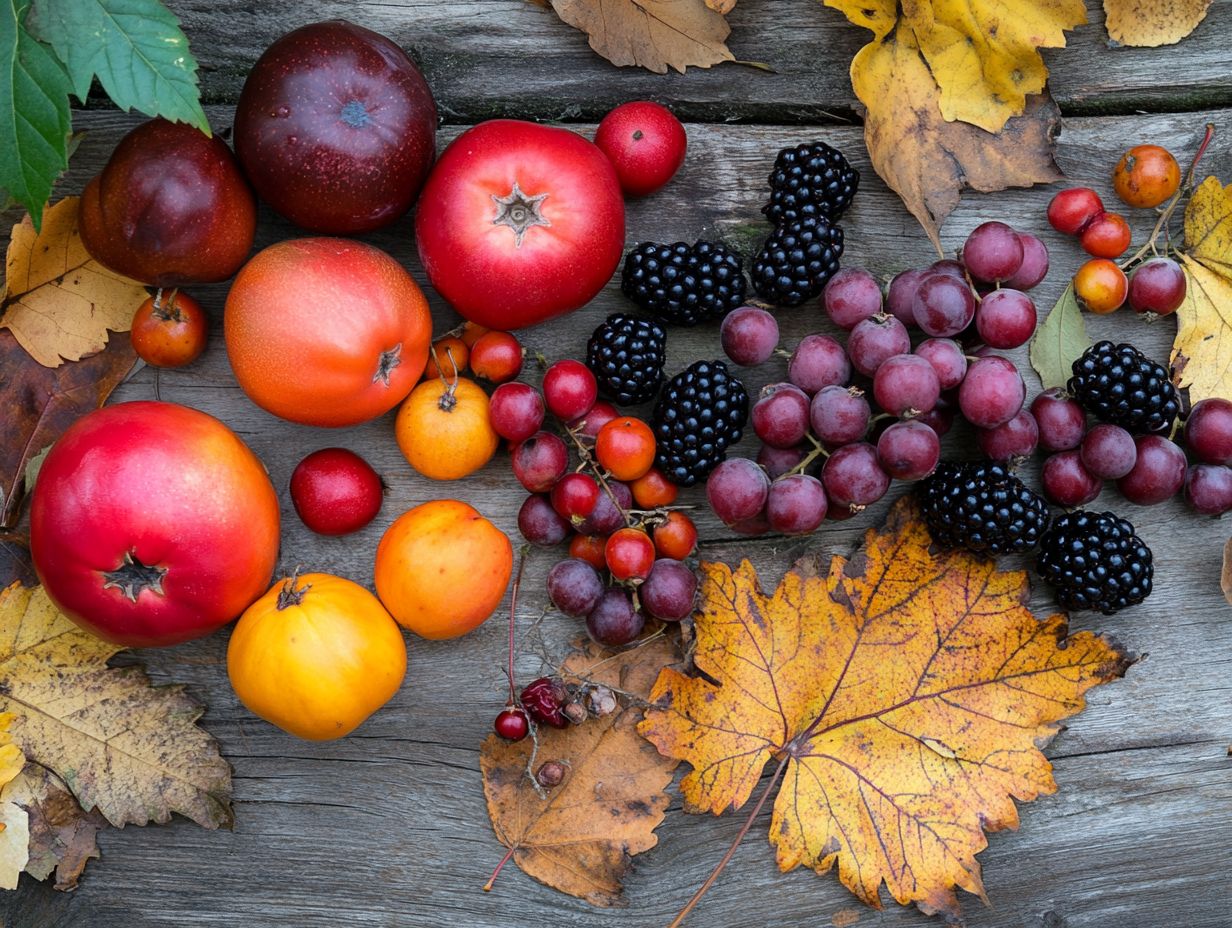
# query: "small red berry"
{"type": "Point", "coordinates": [335, 491]}
{"type": "Point", "coordinates": [630, 554]}
{"type": "Point", "coordinates": [1074, 209]}
{"type": "Point", "coordinates": [677, 537]}
{"type": "Point", "coordinates": [645, 143]}
{"type": "Point", "coordinates": [589, 548]}
{"type": "Point", "coordinates": [652, 490]}
{"type": "Point", "coordinates": [511, 724]}
{"type": "Point", "coordinates": [496, 357]}
{"type": "Point", "coordinates": [626, 447]}
{"type": "Point", "coordinates": [570, 389]}
{"type": "Point", "coordinates": [1106, 237]}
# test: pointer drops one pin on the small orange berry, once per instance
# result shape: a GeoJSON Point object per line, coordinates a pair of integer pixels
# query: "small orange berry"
{"type": "Point", "coordinates": [446, 354]}
{"type": "Point", "coordinates": [1100, 285]}
{"type": "Point", "coordinates": [652, 490]}
{"type": "Point", "coordinates": [1146, 175]}
{"type": "Point", "coordinates": [626, 447]}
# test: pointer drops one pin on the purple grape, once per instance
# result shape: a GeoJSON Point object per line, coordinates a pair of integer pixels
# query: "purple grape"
{"type": "Point", "coordinates": [947, 358]}
{"type": "Point", "coordinates": [540, 524]}
{"type": "Point", "coordinates": [778, 461]}
{"type": "Point", "coordinates": [669, 593]}
{"type": "Point", "coordinates": [1010, 441]}
{"type": "Point", "coordinates": [839, 415]}
{"type": "Point", "coordinates": [852, 477]}
{"type": "Point", "coordinates": [1208, 431]}
{"type": "Point", "coordinates": [906, 383]}
{"type": "Point", "coordinates": [1208, 489]}
{"type": "Point", "coordinates": [749, 335]}
{"type": "Point", "coordinates": [737, 490]}
{"type": "Point", "coordinates": [540, 461]}
{"type": "Point", "coordinates": [943, 305]}
{"type": "Point", "coordinates": [607, 516]}
{"type": "Point", "coordinates": [781, 415]}
{"type": "Point", "coordinates": [908, 450]}
{"type": "Point", "coordinates": [1108, 451]}
{"type": "Point", "coordinates": [950, 268]}
{"type": "Point", "coordinates": [851, 296]}
{"type": "Point", "coordinates": [1034, 266]}
{"type": "Point", "coordinates": [1156, 286]}
{"type": "Point", "coordinates": [992, 252]}
{"type": "Point", "coordinates": [574, 587]}
{"type": "Point", "coordinates": [992, 392]}
{"type": "Point", "coordinates": [1157, 474]}
{"type": "Point", "coordinates": [818, 361]}
{"type": "Point", "coordinates": [939, 420]}
{"type": "Point", "coordinates": [901, 295]}
{"type": "Point", "coordinates": [1066, 482]}
{"type": "Point", "coordinates": [614, 622]}
{"type": "Point", "coordinates": [1061, 421]}
{"type": "Point", "coordinates": [1005, 319]}
{"type": "Point", "coordinates": [874, 341]}
{"type": "Point", "coordinates": [796, 505]}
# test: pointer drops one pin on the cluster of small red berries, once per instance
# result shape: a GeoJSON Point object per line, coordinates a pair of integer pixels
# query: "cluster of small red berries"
{"type": "Point", "coordinates": [489, 354]}
{"type": "Point", "coordinates": [550, 701]}
{"type": "Point", "coordinates": [965, 307]}
{"type": "Point", "coordinates": [627, 546]}
{"type": "Point", "coordinates": [1146, 176]}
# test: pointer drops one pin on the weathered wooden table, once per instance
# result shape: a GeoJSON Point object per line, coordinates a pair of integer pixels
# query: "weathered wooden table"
{"type": "Point", "coordinates": [388, 827]}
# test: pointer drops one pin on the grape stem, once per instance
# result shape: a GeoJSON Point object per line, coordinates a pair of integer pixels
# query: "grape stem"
{"type": "Point", "coordinates": [818, 451]}
{"type": "Point", "coordinates": [513, 613]}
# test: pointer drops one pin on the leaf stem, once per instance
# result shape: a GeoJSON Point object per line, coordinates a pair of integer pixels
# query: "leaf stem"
{"type": "Point", "coordinates": [487, 887]}
{"type": "Point", "coordinates": [744, 830]}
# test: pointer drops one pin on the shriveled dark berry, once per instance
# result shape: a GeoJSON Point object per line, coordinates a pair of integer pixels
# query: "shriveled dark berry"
{"type": "Point", "coordinates": [544, 699]}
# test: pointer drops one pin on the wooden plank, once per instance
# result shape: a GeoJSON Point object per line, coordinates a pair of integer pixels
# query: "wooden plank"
{"type": "Point", "coordinates": [487, 58]}
{"type": "Point", "coordinates": [388, 826]}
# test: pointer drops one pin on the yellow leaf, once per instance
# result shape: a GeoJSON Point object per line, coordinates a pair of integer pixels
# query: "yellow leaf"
{"type": "Point", "coordinates": [14, 822]}
{"type": "Point", "coordinates": [1149, 23]}
{"type": "Point", "coordinates": [653, 34]}
{"type": "Point", "coordinates": [1208, 226]}
{"type": "Point", "coordinates": [1202, 351]}
{"type": "Point", "coordinates": [905, 696]}
{"type": "Point", "coordinates": [579, 837]}
{"type": "Point", "coordinates": [129, 749]}
{"type": "Point", "coordinates": [927, 160]}
{"type": "Point", "coordinates": [877, 15]}
{"type": "Point", "coordinates": [60, 302]}
{"type": "Point", "coordinates": [983, 54]}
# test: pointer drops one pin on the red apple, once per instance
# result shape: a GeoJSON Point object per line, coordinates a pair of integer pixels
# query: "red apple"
{"type": "Point", "coordinates": [170, 208]}
{"type": "Point", "coordinates": [336, 128]}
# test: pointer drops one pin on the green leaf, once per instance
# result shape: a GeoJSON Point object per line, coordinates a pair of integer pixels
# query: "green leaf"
{"type": "Point", "coordinates": [34, 113]}
{"type": "Point", "coordinates": [1059, 341]}
{"type": "Point", "coordinates": [136, 49]}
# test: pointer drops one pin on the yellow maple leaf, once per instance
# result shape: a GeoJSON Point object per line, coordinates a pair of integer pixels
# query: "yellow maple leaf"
{"type": "Point", "coordinates": [1202, 350]}
{"type": "Point", "coordinates": [904, 695]}
{"type": "Point", "coordinates": [653, 34]}
{"type": "Point", "coordinates": [59, 302]}
{"type": "Point", "coordinates": [1150, 23]}
{"type": "Point", "coordinates": [129, 749]}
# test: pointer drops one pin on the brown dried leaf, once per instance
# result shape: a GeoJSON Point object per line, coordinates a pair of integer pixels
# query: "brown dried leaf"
{"type": "Point", "coordinates": [130, 750]}
{"type": "Point", "coordinates": [63, 836]}
{"type": "Point", "coordinates": [1150, 23]}
{"type": "Point", "coordinates": [1225, 577]}
{"type": "Point", "coordinates": [15, 564]}
{"type": "Point", "coordinates": [579, 839]}
{"type": "Point", "coordinates": [59, 302]}
{"type": "Point", "coordinates": [929, 161]}
{"type": "Point", "coordinates": [38, 403]}
{"type": "Point", "coordinates": [722, 7]}
{"type": "Point", "coordinates": [652, 34]}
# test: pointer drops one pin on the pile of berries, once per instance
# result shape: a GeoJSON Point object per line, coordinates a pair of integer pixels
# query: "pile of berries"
{"type": "Point", "coordinates": [552, 702]}
{"type": "Point", "coordinates": [627, 545]}
{"type": "Point", "coordinates": [823, 409]}
{"type": "Point", "coordinates": [489, 354]}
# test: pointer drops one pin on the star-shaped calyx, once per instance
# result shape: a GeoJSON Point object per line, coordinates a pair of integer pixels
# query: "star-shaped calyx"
{"type": "Point", "coordinates": [519, 211]}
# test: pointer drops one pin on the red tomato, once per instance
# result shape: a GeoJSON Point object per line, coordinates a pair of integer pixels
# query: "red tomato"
{"type": "Point", "coordinates": [519, 223]}
{"type": "Point", "coordinates": [152, 523]}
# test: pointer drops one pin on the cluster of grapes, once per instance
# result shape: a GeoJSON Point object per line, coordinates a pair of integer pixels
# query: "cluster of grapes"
{"type": "Point", "coordinates": [627, 545]}
{"type": "Point", "coordinates": [978, 301]}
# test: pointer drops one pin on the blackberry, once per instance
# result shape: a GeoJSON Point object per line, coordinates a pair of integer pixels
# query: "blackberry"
{"type": "Point", "coordinates": [701, 412]}
{"type": "Point", "coordinates": [684, 284]}
{"type": "Point", "coordinates": [1121, 385]}
{"type": "Point", "coordinates": [810, 181]}
{"type": "Point", "coordinates": [626, 354]}
{"type": "Point", "coordinates": [982, 507]}
{"type": "Point", "coordinates": [796, 261]}
{"type": "Point", "coordinates": [1094, 560]}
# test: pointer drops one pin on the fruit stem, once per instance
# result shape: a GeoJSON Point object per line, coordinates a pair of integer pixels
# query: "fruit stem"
{"type": "Point", "coordinates": [744, 830]}
{"type": "Point", "coordinates": [818, 451]}
{"type": "Point", "coordinates": [289, 595]}
{"type": "Point", "coordinates": [487, 887]}
{"type": "Point", "coordinates": [513, 613]}
{"type": "Point", "coordinates": [588, 462]}
{"type": "Point", "coordinates": [449, 398]}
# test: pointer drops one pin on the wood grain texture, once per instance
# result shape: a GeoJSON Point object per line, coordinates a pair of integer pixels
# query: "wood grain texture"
{"type": "Point", "coordinates": [485, 58]}
{"type": "Point", "coordinates": [388, 827]}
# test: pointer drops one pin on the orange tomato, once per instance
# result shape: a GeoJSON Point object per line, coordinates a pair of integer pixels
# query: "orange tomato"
{"type": "Point", "coordinates": [444, 431]}
{"type": "Point", "coordinates": [172, 335]}
{"type": "Point", "coordinates": [442, 568]}
{"type": "Point", "coordinates": [326, 331]}
{"type": "Point", "coordinates": [316, 655]}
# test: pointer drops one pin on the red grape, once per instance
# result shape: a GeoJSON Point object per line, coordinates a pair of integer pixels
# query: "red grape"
{"type": "Point", "coordinates": [778, 461]}
{"type": "Point", "coordinates": [781, 415]}
{"type": "Point", "coordinates": [873, 341]}
{"type": "Point", "coordinates": [749, 335]}
{"type": "Point", "coordinates": [908, 450]}
{"type": "Point", "coordinates": [1034, 263]}
{"type": "Point", "coordinates": [540, 524]}
{"type": "Point", "coordinates": [570, 389]}
{"type": "Point", "coordinates": [670, 592]}
{"type": "Point", "coordinates": [906, 383]}
{"type": "Point", "coordinates": [839, 415]}
{"type": "Point", "coordinates": [943, 305]}
{"type": "Point", "coordinates": [1157, 286]}
{"type": "Point", "coordinates": [737, 490]}
{"type": "Point", "coordinates": [1208, 489]}
{"type": "Point", "coordinates": [614, 622]}
{"type": "Point", "coordinates": [1005, 318]}
{"type": "Point", "coordinates": [1061, 421]}
{"type": "Point", "coordinates": [1108, 451]}
{"type": "Point", "coordinates": [900, 298]}
{"type": "Point", "coordinates": [992, 392]}
{"type": "Point", "coordinates": [575, 496]}
{"type": "Point", "coordinates": [1010, 440]}
{"type": "Point", "coordinates": [540, 461]}
{"type": "Point", "coordinates": [1208, 431]}
{"type": "Point", "coordinates": [1074, 209]}
{"type": "Point", "coordinates": [947, 359]}
{"type": "Point", "coordinates": [853, 478]}
{"type": "Point", "coordinates": [851, 296]}
{"type": "Point", "coordinates": [992, 252]}
{"type": "Point", "coordinates": [796, 504]}
{"type": "Point", "coordinates": [1157, 474]}
{"type": "Point", "coordinates": [818, 361]}
{"type": "Point", "coordinates": [609, 514]}
{"type": "Point", "coordinates": [515, 411]}
{"type": "Point", "coordinates": [1066, 482]}
{"type": "Point", "coordinates": [574, 587]}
